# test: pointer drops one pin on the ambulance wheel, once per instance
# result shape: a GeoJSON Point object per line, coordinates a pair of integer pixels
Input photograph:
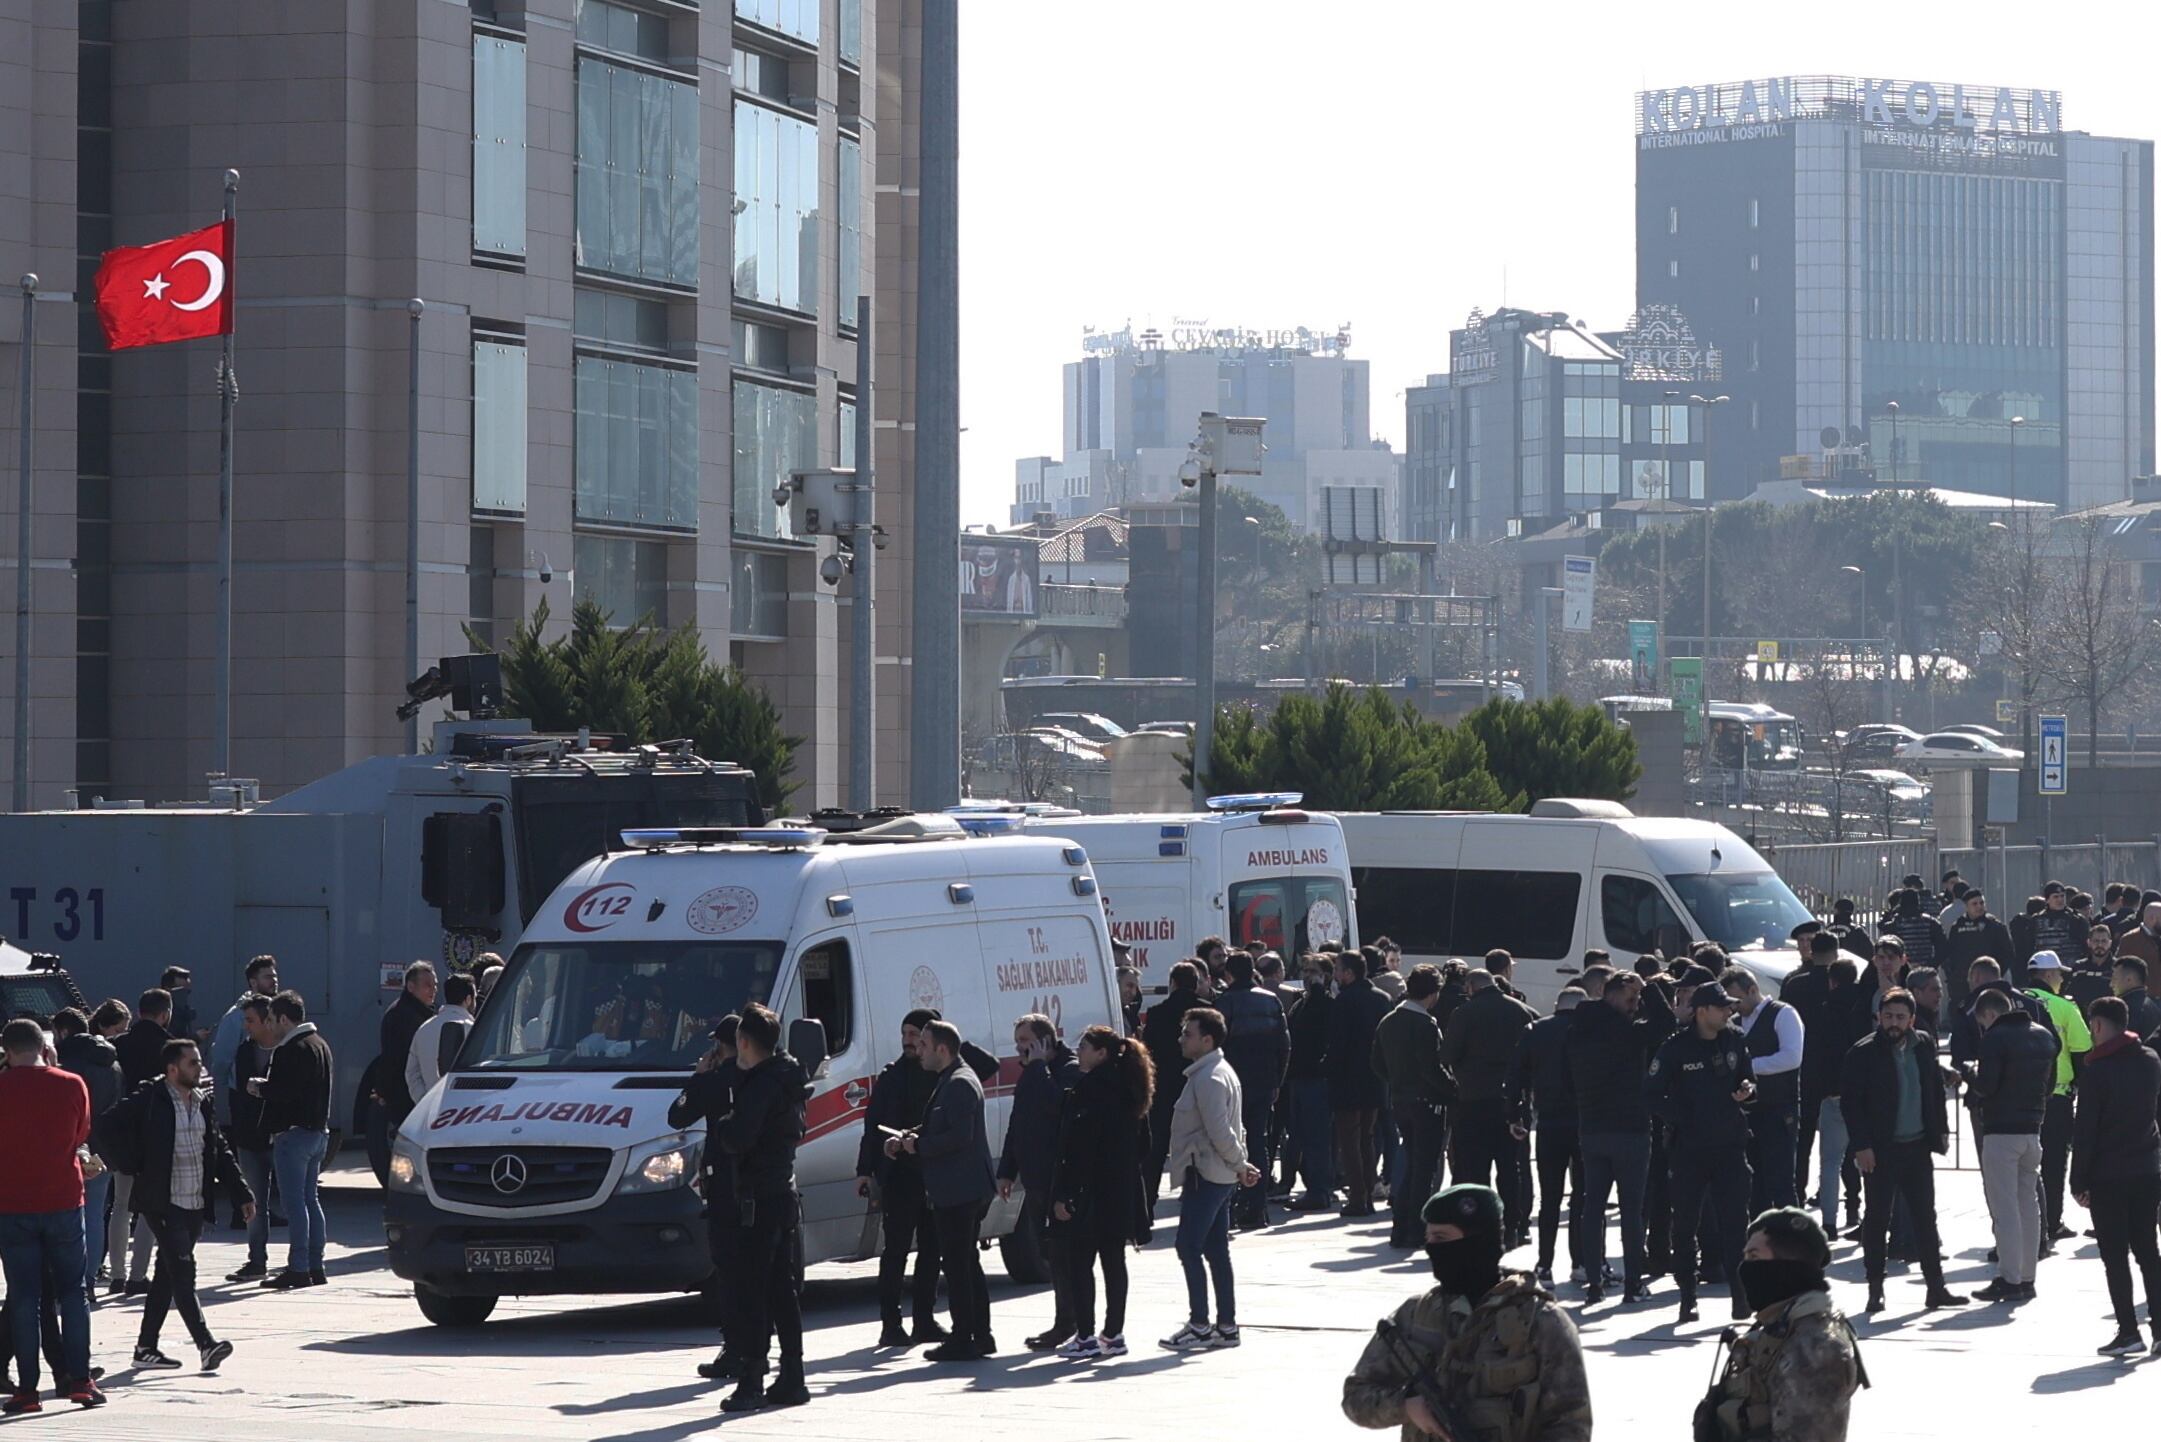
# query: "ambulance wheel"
{"type": "Point", "coordinates": [1023, 1252]}
{"type": "Point", "coordinates": [448, 1311]}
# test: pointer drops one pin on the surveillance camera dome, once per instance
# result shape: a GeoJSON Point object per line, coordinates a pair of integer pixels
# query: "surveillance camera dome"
{"type": "Point", "coordinates": [830, 570]}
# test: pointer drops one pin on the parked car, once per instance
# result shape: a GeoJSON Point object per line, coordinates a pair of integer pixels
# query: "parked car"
{"type": "Point", "coordinates": [1876, 741]}
{"type": "Point", "coordinates": [1898, 785]}
{"type": "Point", "coordinates": [1956, 746]}
{"type": "Point", "coordinates": [1171, 728]}
{"type": "Point", "coordinates": [1037, 748]}
{"type": "Point", "coordinates": [1088, 724]}
{"type": "Point", "coordinates": [1974, 728]}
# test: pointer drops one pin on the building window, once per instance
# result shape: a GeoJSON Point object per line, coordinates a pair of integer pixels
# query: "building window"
{"type": "Point", "coordinates": [498, 146]}
{"type": "Point", "coordinates": [1755, 354]}
{"type": "Point", "coordinates": [637, 174]}
{"type": "Point", "coordinates": [628, 579]}
{"type": "Point", "coordinates": [637, 444]}
{"type": "Point", "coordinates": [776, 435]}
{"type": "Point", "coordinates": [1673, 270]}
{"type": "Point", "coordinates": [758, 596]}
{"type": "Point", "coordinates": [1695, 480]}
{"type": "Point", "coordinates": [480, 581]}
{"type": "Point", "coordinates": [851, 229]}
{"type": "Point", "coordinates": [851, 32]}
{"type": "Point", "coordinates": [757, 73]}
{"type": "Point", "coordinates": [1673, 220]}
{"type": "Point", "coordinates": [618, 321]}
{"type": "Point", "coordinates": [1669, 425]}
{"type": "Point", "coordinates": [790, 17]}
{"type": "Point", "coordinates": [499, 410]}
{"type": "Point", "coordinates": [1755, 263]}
{"type": "Point", "coordinates": [1755, 214]}
{"type": "Point", "coordinates": [1755, 305]}
{"type": "Point", "coordinates": [846, 449]}
{"type": "Point", "coordinates": [760, 346]}
{"type": "Point", "coordinates": [622, 30]}
{"type": "Point", "coordinates": [1755, 415]}
{"type": "Point", "coordinates": [776, 192]}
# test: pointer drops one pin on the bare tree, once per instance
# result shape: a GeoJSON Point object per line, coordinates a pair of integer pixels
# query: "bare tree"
{"type": "Point", "coordinates": [1832, 698]}
{"type": "Point", "coordinates": [2012, 599]}
{"type": "Point", "coordinates": [2098, 637]}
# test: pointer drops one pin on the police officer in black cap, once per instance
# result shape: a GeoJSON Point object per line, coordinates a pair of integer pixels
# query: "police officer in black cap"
{"type": "Point", "coordinates": [1487, 1347]}
{"type": "Point", "coordinates": [1792, 1375]}
{"type": "Point", "coordinates": [1701, 1079]}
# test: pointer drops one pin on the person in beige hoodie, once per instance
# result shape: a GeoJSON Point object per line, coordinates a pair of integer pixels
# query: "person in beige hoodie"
{"type": "Point", "coordinates": [1208, 1155]}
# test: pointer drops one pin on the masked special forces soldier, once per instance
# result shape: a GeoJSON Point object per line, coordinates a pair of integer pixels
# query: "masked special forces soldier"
{"type": "Point", "coordinates": [1791, 1376]}
{"type": "Point", "coordinates": [1486, 1356]}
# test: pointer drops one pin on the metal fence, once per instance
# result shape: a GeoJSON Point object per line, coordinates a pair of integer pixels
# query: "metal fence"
{"type": "Point", "coordinates": [1865, 872]}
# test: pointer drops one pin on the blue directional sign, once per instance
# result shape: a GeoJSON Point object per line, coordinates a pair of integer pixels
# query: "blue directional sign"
{"type": "Point", "coordinates": [2055, 738]}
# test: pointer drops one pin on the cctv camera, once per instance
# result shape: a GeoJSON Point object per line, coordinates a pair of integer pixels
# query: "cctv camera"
{"type": "Point", "coordinates": [547, 574]}
{"type": "Point", "coordinates": [830, 569]}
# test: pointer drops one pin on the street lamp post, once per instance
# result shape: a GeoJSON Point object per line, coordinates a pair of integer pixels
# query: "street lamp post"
{"type": "Point", "coordinates": [2016, 423]}
{"type": "Point", "coordinates": [1255, 523]}
{"type": "Point", "coordinates": [1896, 455]}
{"type": "Point", "coordinates": [1860, 608]}
{"type": "Point", "coordinates": [1665, 497]}
{"type": "Point", "coordinates": [1541, 674]}
{"type": "Point", "coordinates": [1709, 403]}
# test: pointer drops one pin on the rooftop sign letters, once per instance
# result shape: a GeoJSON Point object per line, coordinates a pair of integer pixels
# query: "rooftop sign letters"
{"type": "Point", "coordinates": [1203, 337]}
{"type": "Point", "coordinates": [1690, 110]}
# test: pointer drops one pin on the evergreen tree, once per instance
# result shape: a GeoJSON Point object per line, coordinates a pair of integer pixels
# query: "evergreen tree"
{"type": "Point", "coordinates": [1556, 747]}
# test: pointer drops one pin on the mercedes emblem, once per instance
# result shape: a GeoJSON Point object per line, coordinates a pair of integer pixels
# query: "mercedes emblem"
{"type": "Point", "coordinates": [508, 1174]}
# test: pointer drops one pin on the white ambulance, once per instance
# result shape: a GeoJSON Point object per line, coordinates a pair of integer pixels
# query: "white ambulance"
{"type": "Point", "coordinates": [544, 1162]}
{"type": "Point", "coordinates": [1250, 868]}
{"type": "Point", "coordinates": [1570, 876]}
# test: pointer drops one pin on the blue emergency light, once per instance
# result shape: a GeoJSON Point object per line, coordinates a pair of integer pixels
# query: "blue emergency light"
{"type": "Point", "coordinates": [1256, 801]}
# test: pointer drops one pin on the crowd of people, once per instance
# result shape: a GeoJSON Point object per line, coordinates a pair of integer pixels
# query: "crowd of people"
{"type": "Point", "coordinates": [124, 1130]}
{"type": "Point", "coordinates": [1676, 1093]}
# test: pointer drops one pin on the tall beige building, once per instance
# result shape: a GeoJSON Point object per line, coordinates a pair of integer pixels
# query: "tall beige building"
{"type": "Point", "coordinates": [639, 228]}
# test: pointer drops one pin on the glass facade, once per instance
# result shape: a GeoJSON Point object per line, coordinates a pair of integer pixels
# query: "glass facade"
{"type": "Point", "coordinates": [758, 597]}
{"type": "Point", "coordinates": [499, 411]}
{"type": "Point", "coordinates": [850, 206]}
{"type": "Point", "coordinates": [776, 225]}
{"type": "Point", "coordinates": [629, 578]}
{"type": "Point", "coordinates": [1591, 433]}
{"type": "Point", "coordinates": [622, 29]}
{"type": "Point", "coordinates": [498, 145]}
{"type": "Point", "coordinates": [790, 17]}
{"type": "Point", "coordinates": [776, 435]}
{"type": "Point", "coordinates": [637, 444]}
{"type": "Point", "coordinates": [637, 174]}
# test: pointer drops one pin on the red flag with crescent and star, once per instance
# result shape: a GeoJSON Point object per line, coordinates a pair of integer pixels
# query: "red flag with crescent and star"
{"type": "Point", "coordinates": [172, 290]}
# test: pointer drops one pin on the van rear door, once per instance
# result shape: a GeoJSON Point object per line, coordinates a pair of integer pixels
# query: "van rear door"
{"type": "Point", "coordinates": [827, 985]}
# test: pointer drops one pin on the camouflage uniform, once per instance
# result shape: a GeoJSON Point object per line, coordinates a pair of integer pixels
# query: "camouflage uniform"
{"type": "Point", "coordinates": [1511, 1366]}
{"type": "Point", "coordinates": [1791, 1376]}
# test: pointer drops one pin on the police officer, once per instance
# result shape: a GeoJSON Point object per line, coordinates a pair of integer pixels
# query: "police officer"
{"type": "Point", "coordinates": [710, 1097]}
{"type": "Point", "coordinates": [763, 1250]}
{"type": "Point", "coordinates": [1792, 1375]}
{"type": "Point", "coordinates": [1490, 1345]}
{"type": "Point", "coordinates": [1701, 1079]}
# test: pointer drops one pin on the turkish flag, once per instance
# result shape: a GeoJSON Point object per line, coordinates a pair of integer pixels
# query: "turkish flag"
{"type": "Point", "coordinates": [176, 289]}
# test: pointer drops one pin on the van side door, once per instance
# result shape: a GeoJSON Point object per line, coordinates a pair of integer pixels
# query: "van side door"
{"type": "Point", "coordinates": [1523, 886]}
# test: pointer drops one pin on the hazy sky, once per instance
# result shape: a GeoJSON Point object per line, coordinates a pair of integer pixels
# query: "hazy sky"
{"type": "Point", "coordinates": [1390, 163]}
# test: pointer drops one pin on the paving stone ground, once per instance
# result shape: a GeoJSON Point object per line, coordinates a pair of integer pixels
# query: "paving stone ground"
{"type": "Point", "coordinates": [354, 1362]}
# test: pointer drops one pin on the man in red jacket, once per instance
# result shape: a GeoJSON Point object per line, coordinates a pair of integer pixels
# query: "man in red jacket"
{"type": "Point", "coordinates": [44, 1121]}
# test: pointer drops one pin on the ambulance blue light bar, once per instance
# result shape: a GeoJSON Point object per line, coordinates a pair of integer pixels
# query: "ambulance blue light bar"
{"type": "Point", "coordinates": [1256, 801]}
{"type": "Point", "coordinates": [988, 823]}
{"type": "Point", "coordinates": [657, 838]}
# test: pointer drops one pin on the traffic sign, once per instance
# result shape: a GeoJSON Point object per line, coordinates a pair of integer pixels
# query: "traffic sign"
{"type": "Point", "coordinates": [2006, 712]}
{"type": "Point", "coordinates": [2055, 738]}
{"type": "Point", "coordinates": [1767, 653]}
{"type": "Point", "coordinates": [1579, 578]}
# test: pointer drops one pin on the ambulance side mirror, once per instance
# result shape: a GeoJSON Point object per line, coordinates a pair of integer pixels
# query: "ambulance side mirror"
{"type": "Point", "coordinates": [806, 1043]}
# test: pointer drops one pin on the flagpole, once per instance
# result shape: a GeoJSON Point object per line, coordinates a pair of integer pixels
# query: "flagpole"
{"type": "Point", "coordinates": [228, 394]}
{"type": "Point", "coordinates": [22, 558]}
{"type": "Point", "coordinates": [413, 308]}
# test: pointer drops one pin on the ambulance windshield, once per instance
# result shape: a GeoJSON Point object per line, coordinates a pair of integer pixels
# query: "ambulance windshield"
{"type": "Point", "coordinates": [616, 1005]}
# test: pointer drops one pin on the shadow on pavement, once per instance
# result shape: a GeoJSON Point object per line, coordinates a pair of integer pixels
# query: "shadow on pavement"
{"type": "Point", "coordinates": [2080, 1379]}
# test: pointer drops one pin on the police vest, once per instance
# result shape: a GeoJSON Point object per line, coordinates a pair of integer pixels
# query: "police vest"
{"type": "Point", "coordinates": [1744, 1406]}
{"type": "Point", "coordinates": [1488, 1365]}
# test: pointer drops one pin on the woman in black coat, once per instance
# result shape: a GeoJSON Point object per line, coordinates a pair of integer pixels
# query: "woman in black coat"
{"type": "Point", "coordinates": [1100, 1195]}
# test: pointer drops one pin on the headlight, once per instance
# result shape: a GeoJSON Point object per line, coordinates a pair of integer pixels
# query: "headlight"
{"type": "Point", "coordinates": [404, 1168]}
{"type": "Point", "coordinates": [656, 1167]}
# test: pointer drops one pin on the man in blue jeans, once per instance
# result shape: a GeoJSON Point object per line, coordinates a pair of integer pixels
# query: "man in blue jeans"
{"type": "Point", "coordinates": [1207, 1150]}
{"type": "Point", "coordinates": [244, 1130]}
{"type": "Point", "coordinates": [295, 1093]}
{"type": "Point", "coordinates": [44, 1122]}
